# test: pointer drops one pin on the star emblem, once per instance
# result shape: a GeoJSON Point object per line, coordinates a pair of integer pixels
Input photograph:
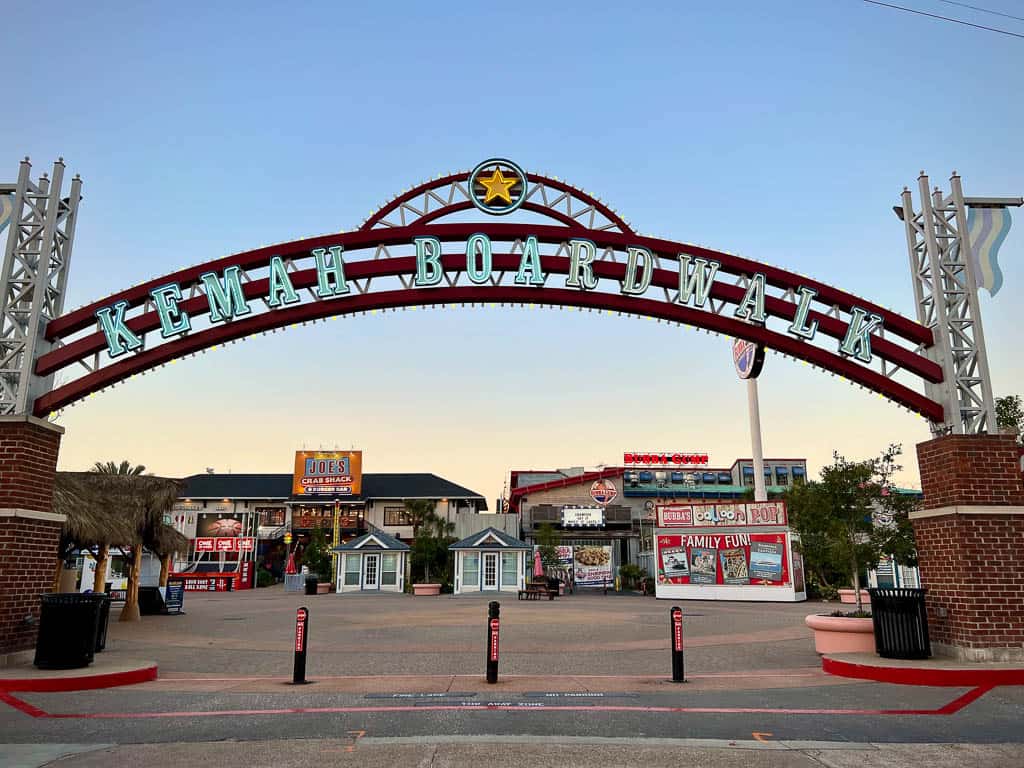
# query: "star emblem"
{"type": "Point", "coordinates": [498, 186]}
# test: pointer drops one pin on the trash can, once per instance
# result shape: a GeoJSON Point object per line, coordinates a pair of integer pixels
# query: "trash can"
{"type": "Point", "coordinates": [103, 622]}
{"type": "Point", "coordinates": [311, 582]}
{"type": "Point", "coordinates": [68, 625]}
{"type": "Point", "coordinates": [900, 622]}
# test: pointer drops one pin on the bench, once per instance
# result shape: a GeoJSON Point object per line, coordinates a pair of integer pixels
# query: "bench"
{"type": "Point", "coordinates": [537, 591]}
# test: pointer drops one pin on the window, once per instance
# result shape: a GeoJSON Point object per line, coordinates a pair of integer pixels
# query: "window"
{"type": "Point", "coordinates": [396, 516]}
{"type": "Point", "coordinates": [509, 563]}
{"type": "Point", "coordinates": [471, 569]}
{"type": "Point", "coordinates": [352, 563]}
{"type": "Point", "coordinates": [271, 515]}
{"type": "Point", "coordinates": [389, 570]}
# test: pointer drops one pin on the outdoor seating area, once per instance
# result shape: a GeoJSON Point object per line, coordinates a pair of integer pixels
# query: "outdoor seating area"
{"type": "Point", "coordinates": [535, 590]}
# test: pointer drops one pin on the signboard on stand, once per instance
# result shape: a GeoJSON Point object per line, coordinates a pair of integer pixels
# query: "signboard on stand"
{"type": "Point", "coordinates": [174, 595]}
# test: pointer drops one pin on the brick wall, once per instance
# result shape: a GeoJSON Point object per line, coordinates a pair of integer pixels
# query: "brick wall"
{"type": "Point", "coordinates": [961, 470]}
{"type": "Point", "coordinates": [973, 570]}
{"type": "Point", "coordinates": [28, 547]}
{"type": "Point", "coordinates": [28, 560]}
{"type": "Point", "coordinates": [971, 564]}
{"type": "Point", "coordinates": [28, 463]}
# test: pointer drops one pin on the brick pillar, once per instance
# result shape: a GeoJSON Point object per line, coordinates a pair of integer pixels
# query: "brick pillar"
{"type": "Point", "coordinates": [29, 529]}
{"type": "Point", "coordinates": [970, 543]}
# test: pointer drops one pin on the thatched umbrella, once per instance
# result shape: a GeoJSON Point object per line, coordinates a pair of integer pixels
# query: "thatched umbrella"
{"type": "Point", "coordinates": [117, 510]}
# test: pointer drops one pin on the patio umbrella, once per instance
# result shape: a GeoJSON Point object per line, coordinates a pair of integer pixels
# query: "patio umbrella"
{"type": "Point", "coordinates": [538, 568]}
{"type": "Point", "coordinates": [290, 568]}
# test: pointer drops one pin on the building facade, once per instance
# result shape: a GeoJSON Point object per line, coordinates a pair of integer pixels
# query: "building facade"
{"type": "Point", "coordinates": [609, 514]}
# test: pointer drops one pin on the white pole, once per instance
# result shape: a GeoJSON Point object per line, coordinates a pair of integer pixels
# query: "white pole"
{"type": "Point", "coordinates": [760, 493]}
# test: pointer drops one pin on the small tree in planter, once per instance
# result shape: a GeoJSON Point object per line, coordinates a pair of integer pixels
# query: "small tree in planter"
{"type": "Point", "coordinates": [317, 556]}
{"type": "Point", "coordinates": [547, 539]}
{"type": "Point", "coordinates": [433, 534]}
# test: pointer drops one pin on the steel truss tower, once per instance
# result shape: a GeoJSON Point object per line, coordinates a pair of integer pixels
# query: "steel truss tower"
{"type": "Point", "coordinates": [34, 280]}
{"type": "Point", "coordinates": [946, 297]}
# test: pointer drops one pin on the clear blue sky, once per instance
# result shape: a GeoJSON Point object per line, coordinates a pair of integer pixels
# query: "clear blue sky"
{"type": "Point", "coordinates": [783, 131]}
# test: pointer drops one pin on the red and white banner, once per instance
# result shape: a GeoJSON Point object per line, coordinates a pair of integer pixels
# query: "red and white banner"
{"type": "Point", "coordinates": [721, 515]}
{"type": "Point", "coordinates": [225, 544]}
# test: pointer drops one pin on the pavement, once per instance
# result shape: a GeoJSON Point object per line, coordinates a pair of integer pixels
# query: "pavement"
{"type": "Point", "coordinates": [583, 680]}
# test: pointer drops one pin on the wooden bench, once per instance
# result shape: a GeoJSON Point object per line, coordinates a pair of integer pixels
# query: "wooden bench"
{"type": "Point", "coordinates": [537, 591]}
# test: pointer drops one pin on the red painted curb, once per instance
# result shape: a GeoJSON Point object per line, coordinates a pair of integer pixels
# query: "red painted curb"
{"type": "Point", "coordinates": [81, 682]}
{"type": "Point", "coordinates": [955, 678]}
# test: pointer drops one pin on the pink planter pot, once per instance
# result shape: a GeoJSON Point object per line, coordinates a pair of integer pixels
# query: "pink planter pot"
{"type": "Point", "coordinates": [847, 596]}
{"type": "Point", "coordinates": [840, 634]}
{"type": "Point", "coordinates": [323, 588]}
{"type": "Point", "coordinates": [426, 589]}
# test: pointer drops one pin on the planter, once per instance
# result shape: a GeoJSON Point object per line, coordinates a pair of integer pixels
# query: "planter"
{"type": "Point", "coordinates": [847, 596]}
{"type": "Point", "coordinates": [841, 634]}
{"type": "Point", "coordinates": [323, 588]}
{"type": "Point", "coordinates": [426, 589]}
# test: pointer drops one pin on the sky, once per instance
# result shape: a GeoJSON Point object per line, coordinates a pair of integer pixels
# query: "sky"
{"type": "Point", "coordinates": [780, 131]}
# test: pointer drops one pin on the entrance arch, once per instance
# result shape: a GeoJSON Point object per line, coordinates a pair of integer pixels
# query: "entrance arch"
{"type": "Point", "coordinates": [418, 249]}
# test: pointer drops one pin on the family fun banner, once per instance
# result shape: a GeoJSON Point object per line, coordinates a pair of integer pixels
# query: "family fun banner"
{"type": "Point", "coordinates": [757, 559]}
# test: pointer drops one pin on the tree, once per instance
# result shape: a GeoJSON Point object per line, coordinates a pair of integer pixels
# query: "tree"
{"type": "Point", "coordinates": [1010, 415]}
{"type": "Point", "coordinates": [547, 539]}
{"type": "Point", "coordinates": [317, 555]}
{"type": "Point", "coordinates": [103, 548]}
{"type": "Point", "coordinates": [432, 537]}
{"type": "Point", "coordinates": [852, 515]}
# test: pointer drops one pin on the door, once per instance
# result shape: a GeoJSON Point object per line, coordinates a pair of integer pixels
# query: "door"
{"type": "Point", "coordinates": [490, 570]}
{"type": "Point", "coordinates": [371, 571]}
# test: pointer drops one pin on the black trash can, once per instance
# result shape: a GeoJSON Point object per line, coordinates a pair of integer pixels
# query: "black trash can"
{"type": "Point", "coordinates": [68, 624]}
{"type": "Point", "coordinates": [900, 621]}
{"type": "Point", "coordinates": [311, 584]}
{"type": "Point", "coordinates": [103, 622]}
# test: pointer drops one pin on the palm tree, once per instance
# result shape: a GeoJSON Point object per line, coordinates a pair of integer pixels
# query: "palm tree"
{"type": "Point", "coordinates": [103, 554]}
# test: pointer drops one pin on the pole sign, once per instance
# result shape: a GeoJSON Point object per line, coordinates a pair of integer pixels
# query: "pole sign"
{"type": "Point", "coordinates": [301, 637]}
{"type": "Point", "coordinates": [748, 358]}
{"type": "Point", "coordinates": [678, 669]}
{"type": "Point", "coordinates": [495, 625]}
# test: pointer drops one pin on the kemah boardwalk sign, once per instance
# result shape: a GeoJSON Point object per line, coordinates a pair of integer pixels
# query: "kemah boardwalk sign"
{"type": "Point", "coordinates": [419, 250]}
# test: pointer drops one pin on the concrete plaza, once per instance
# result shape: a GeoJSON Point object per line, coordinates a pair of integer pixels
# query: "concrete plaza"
{"type": "Point", "coordinates": [583, 680]}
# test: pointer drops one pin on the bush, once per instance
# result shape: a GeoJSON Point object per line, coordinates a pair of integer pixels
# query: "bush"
{"type": "Point", "coordinates": [317, 556]}
{"type": "Point", "coordinates": [631, 575]}
{"type": "Point", "coordinates": [264, 578]}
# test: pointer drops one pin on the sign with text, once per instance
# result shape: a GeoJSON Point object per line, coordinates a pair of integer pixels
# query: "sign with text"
{"type": "Point", "coordinates": [221, 544]}
{"type": "Point", "coordinates": [174, 595]}
{"type": "Point", "coordinates": [739, 515]}
{"type": "Point", "coordinates": [664, 459]}
{"type": "Point", "coordinates": [592, 565]}
{"type": "Point", "coordinates": [742, 559]}
{"type": "Point", "coordinates": [582, 517]}
{"type": "Point", "coordinates": [328, 473]}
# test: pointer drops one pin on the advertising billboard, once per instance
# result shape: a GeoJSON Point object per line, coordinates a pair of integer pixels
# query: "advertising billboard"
{"type": "Point", "coordinates": [592, 566]}
{"type": "Point", "coordinates": [734, 515]}
{"type": "Point", "coordinates": [746, 559]}
{"type": "Point", "coordinates": [328, 473]}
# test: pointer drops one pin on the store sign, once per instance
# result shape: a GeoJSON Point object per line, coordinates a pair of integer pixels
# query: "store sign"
{"type": "Point", "coordinates": [603, 491]}
{"type": "Point", "coordinates": [735, 559]}
{"type": "Point", "coordinates": [664, 459]}
{"type": "Point", "coordinates": [328, 473]}
{"type": "Point", "coordinates": [579, 517]}
{"type": "Point", "coordinates": [748, 358]}
{"type": "Point", "coordinates": [721, 515]}
{"type": "Point", "coordinates": [209, 583]}
{"type": "Point", "coordinates": [232, 544]}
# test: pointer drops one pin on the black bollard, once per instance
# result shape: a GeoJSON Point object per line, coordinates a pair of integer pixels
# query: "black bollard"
{"type": "Point", "coordinates": [493, 624]}
{"type": "Point", "coordinates": [676, 629]}
{"type": "Point", "coordinates": [301, 637]}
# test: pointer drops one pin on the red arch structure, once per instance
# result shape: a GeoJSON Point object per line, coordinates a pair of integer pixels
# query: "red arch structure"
{"type": "Point", "coordinates": [380, 265]}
